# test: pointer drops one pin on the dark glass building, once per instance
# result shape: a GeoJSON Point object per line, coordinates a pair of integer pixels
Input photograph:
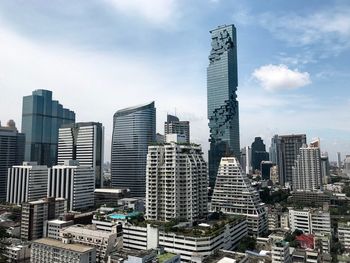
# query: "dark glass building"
{"type": "Point", "coordinates": [134, 129]}
{"type": "Point", "coordinates": [82, 141]}
{"type": "Point", "coordinates": [222, 84]}
{"type": "Point", "coordinates": [41, 119]}
{"type": "Point", "coordinates": [259, 153]}
{"type": "Point", "coordinates": [11, 153]}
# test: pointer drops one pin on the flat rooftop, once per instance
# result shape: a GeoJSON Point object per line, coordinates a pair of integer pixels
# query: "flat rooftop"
{"type": "Point", "coordinates": [58, 244]}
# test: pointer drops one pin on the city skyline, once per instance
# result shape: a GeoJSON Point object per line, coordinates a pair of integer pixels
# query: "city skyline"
{"type": "Point", "coordinates": [76, 61]}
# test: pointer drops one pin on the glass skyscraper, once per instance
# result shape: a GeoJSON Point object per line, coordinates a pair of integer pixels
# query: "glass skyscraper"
{"type": "Point", "coordinates": [134, 129]}
{"type": "Point", "coordinates": [222, 81]}
{"type": "Point", "coordinates": [41, 119]}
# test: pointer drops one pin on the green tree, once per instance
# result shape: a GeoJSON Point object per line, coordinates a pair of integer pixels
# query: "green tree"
{"type": "Point", "coordinates": [246, 243]}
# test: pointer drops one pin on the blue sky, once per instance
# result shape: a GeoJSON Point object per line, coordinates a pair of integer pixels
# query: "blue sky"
{"type": "Point", "coordinates": [101, 56]}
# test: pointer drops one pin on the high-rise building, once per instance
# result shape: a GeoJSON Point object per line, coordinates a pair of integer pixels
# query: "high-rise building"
{"type": "Point", "coordinates": [176, 182]}
{"type": "Point", "coordinates": [307, 168]}
{"type": "Point", "coordinates": [27, 182]}
{"type": "Point", "coordinates": [11, 152]}
{"type": "Point", "coordinates": [344, 234]}
{"type": "Point", "coordinates": [246, 159]}
{"type": "Point", "coordinates": [41, 119]}
{"type": "Point", "coordinates": [174, 126]}
{"type": "Point", "coordinates": [259, 153]}
{"type": "Point", "coordinates": [233, 194]}
{"type": "Point", "coordinates": [83, 142]}
{"type": "Point", "coordinates": [339, 160]}
{"type": "Point", "coordinates": [36, 213]}
{"type": "Point", "coordinates": [265, 168]}
{"type": "Point", "coordinates": [346, 165]}
{"type": "Point", "coordinates": [325, 167]}
{"type": "Point", "coordinates": [222, 81]}
{"type": "Point", "coordinates": [134, 129]}
{"type": "Point", "coordinates": [284, 149]}
{"type": "Point", "coordinates": [73, 182]}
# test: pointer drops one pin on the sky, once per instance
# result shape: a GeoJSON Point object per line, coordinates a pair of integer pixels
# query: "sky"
{"type": "Point", "coordinates": [99, 56]}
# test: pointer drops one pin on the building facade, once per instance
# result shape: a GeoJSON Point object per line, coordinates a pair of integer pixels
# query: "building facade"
{"type": "Point", "coordinates": [36, 213]}
{"type": "Point", "coordinates": [11, 152]}
{"type": "Point", "coordinates": [174, 126]}
{"type": "Point", "coordinates": [41, 119]}
{"type": "Point", "coordinates": [280, 252]}
{"type": "Point", "coordinates": [51, 250]}
{"type": "Point", "coordinates": [284, 149]}
{"type": "Point", "coordinates": [222, 82]}
{"type": "Point", "coordinates": [259, 153]}
{"type": "Point", "coordinates": [134, 129]}
{"type": "Point", "coordinates": [307, 174]}
{"type": "Point", "coordinates": [176, 182]}
{"type": "Point", "coordinates": [73, 182]}
{"type": "Point", "coordinates": [27, 182]}
{"type": "Point", "coordinates": [344, 234]}
{"type": "Point", "coordinates": [233, 194]}
{"type": "Point", "coordinates": [83, 142]}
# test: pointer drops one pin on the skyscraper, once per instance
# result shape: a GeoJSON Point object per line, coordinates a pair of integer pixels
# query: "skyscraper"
{"type": "Point", "coordinates": [233, 194]}
{"type": "Point", "coordinates": [307, 168]}
{"type": "Point", "coordinates": [174, 125]}
{"type": "Point", "coordinates": [83, 142]}
{"type": "Point", "coordinates": [222, 81]}
{"type": "Point", "coordinates": [11, 152]}
{"type": "Point", "coordinates": [284, 149]}
{"type": "Point", "coordinates": [134, 129]}
{"type": "Point", "coordinates": [259, 153]}
{"type": "Point", "coordinates": [41, 119]}
{"type": "Point", "coordinates": [176, 180]}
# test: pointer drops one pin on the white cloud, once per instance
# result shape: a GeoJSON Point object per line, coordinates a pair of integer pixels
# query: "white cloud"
{"type": "Point", "coordinates": [280, 77]}
{"type": "Point", "coordinates": [154, 11]}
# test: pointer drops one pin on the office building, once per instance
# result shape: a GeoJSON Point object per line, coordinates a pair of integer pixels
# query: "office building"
{"type": "Point", "coordinates": [109, 196]}
{"type": "Point", "coordinates": [233, 194]}
{"type": "Point", "coordinates": [307, 168]}
{"type": "Point", "coordinates": [344, 234]}
{"type": "Point", "coordinates": [36, 213]}
{"type": "Point", "coordinates": [103, 241]}
{"type": "Point", "coordinates": [346, 166]}
{"type": "Point", "coordinates": [176, 182]}
{"type": "Point", "coordinates": [280, 252]}
{"type": "Point", "coordinates": [73, 182]}
{"type": "Point", "coordinates": [83, 142]}
{"type": "Point", "coordinates": [310, 221]}
{"type": "Point", "coordinates": [339, 160]}
{"type": "Point", "coordinates": [259, 153]}
{"type": "Point", "coordinates": [310, 198]}
{"type": "Point", "coordinates": [134, 129]}
{"type": "Point", "coordinates": [53, 228]}
{"type": "Point", "coordinates": [185, 239]}
{"type": "Point", "coordinates": [265, 168]}
{"type": "Point", "coordinates": [223, 114]}
{"type": "Point", "coordinates": [41, 119]}
{"type": "Point", "coordinates": [51, 250]}
{"type": "Point", "coordinates": [11, 152]}
{"type": "Point", "coordinates": [246, 159]}
{"type": "Point", "coordinates": [27, 182]}
{"type": "Point", "coordinates": [325, 168]}
{"type": "Point", "coordinates": [284, 149]}
{"type": "Point", "coordinates": [174, 126]}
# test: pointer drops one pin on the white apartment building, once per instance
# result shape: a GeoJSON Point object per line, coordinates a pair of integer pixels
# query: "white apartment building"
{"type": "Point", "coordinates": [344, 234]}
{"type": "Point", "coordinates": [185, 241]}
{"type": "Point", "coordinates": [233, 194]}
{"type": "Point", "coordinates": [103, 241]}
{"type": "Point", "coordinates": [17, 252]}
{"type": "Point", "coordinates": [73, 182]}
{"type": "Point", "coordinates": [307, 174]}
{"type": "Point", "coordinates": [310, 221]}
{"type": "Point", "coordinates": [54, 227]}
{"type": "Point", "coordinates": [27, 182]}
{"type": "Point", "coordinates": [176, 182]}
{"type": "Point", "coordinates": [51, 250]}
{"type": "Point", "coordinates": [280, 252]}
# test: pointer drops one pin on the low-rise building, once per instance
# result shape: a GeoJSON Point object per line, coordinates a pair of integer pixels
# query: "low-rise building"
{"type": "Point", "coordinates": [280, 252]}
{"type": "Point", "coordinates": [344, 234]}
{"type": "Point", "coordinates": [142, 256]}
{"type": "Point", "coordinates": [17, 252]}
{"type": "Point", "coordinates": [110, 196]}
{"type": "Point", "coordinates": [54, 227]}
{"type": "Point", "coordinates": [51, 250]}
{"type": "Point", "coordinates": [103, 241]}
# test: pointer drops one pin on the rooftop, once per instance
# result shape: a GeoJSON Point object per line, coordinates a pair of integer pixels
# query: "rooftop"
{"type": "Point", "coordinates": [165, 257]}
{"type": "Point", "coordinates": [58, 244]}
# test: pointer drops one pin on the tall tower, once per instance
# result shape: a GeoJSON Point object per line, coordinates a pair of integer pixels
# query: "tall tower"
{"type": "Point", "coordinates": [174, 125]}
{"type": "Point", "coordinates": [134, 129]}
{"type": "Point", "coordinates": [83, 142]}
{"type": "Point", "coordinates": [222, 81]}
{"type": "Point", "coordinates": [41, 119]}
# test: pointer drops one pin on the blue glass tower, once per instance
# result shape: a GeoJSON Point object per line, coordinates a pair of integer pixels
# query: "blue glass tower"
{"type": "Point", "coordinates": [222, 81]}
{"type": "Point", "coordinates": [134, 129]}
{"type": "Point", "coordinates": [41, 119]}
